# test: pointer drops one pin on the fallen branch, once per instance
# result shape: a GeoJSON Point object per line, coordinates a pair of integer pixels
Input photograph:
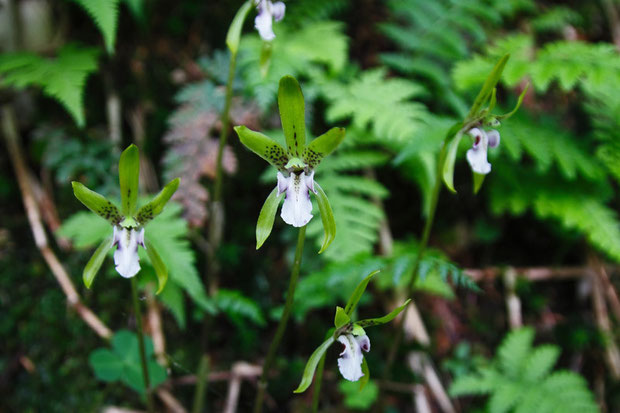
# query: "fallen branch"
{"type": "Point", "coordinates": [532, 273]}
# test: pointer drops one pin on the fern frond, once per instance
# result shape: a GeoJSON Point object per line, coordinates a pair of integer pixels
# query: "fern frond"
{"type": "Point", "coordinates": [62, 78]}
{"type": "Point", "coordinates": [540, 362]}
{"type": "Point", "coordinates": [513, 351]}
{"type": "Point", "coordinates": [308, 11]}
{"type": "Point", "coordinates": [105, 15]}
{"type": "Point", "coordinates": [379, 103]}
{"type": "Point", "coordinates": [235, 304]}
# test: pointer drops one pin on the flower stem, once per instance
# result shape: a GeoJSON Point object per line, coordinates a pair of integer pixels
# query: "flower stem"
{"type": "Point", "coordinates": [201, 385]}
{"type": "Point", "coordinates": [145, 371]}
{"type": "Point", "coordinates": [418, 259]}
{"type": "Point", "coordinates": [288, 306]}
{"type": "Point", "coordinates": [318, 379]}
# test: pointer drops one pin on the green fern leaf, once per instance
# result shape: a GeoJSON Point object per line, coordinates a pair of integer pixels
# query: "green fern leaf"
{"type": "Point", "coordinates": [235, 304]}
{"type": "Point", "coordinates": [383, 104]}
{"type": "Point", "coordinates": [540, 362]}
{"type": "Point", "coordinates": [514, 349]}
{"type": "Point", "coordinates": [105, 15]}
{"type": "Point", "coordinates": [62, 78]}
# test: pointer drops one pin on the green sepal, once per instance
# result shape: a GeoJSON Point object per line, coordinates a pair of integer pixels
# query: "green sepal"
{"type": "Point", "coordinates": [357, 293]}
{"type": "Point", "coordinates": [291, 105]}
{"type": "Point", "coordinates": [488, 86]}
{"type": "Point", "coordinates": [313, 361]}
{"type": "Point", "coordinates": [94, 263]}
{"type": "Point", "coordinates": [327, 217]}
{"type": "Point", "coordinates": [158, 264]}
{"type": "Point", "coordinates": [266, 217]}
{"type": "Point", "coordinates": [370, 322]}
{"type": "Point", "coordinates": [478, 180]}
{"type": "Point", "coordinates": [97, 203]}
{"type": "Point", "coordinates": [322, 146]}
{"type": "Point", "coordinates": [517, 106]}
{"type": "Point", "coordinates": [341, 318]}
{"type": "Point", "coordinates": [263, 146]}
{"type": "Point", "coordinates": [128, 176]}
{"type": "Point", "coordinates": [234, 31]}
{"type": "Point", "coordinates": [366, 374]}
{"type": "Point", "coordinates": [157, 204]}
{"type": "Point", "coordinates": [448, 155]}
{"type": "Point", "coordinates": [358, 330]}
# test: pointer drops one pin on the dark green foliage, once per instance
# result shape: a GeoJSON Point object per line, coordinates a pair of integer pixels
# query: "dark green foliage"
{"type": "Point", "coordinates": [520, 380]}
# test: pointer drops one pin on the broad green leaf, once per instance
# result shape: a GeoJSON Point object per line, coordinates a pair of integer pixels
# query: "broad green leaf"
{"type": "Point", "coordinates": [493, 100]}
{"type": "Point", "coordinates": [291, 104]}
{"type": "Point", "coordinates": [128, 176]}
{"type": "Point", "coordinates": [327, 216]}
{"type": "Point", "coordinates": [451, 146]}
{"type": "Point", "coordinates": [234, 31]}
{"type": "Point", "coordinates": [366, 371]}
{"type": "Point", "coordinates": [106, 364]}
{"type": "Point", "coordinates": [322, 146]}
{"type": "Point", "coordinates": [341, 318]}
{"type": "Point", "coordinates": [478, 180]}
{"type": "Point", "coordinates": [154, 208]}
{"type": "Point", "coordinates": [105, 15]}
{"type": "Point", "coordinates": [357, 294]}
{"type": "Point", "coordinates": [266, 217]}
{"type": "Point", "coordinates": [94, 264]}
{"type": "Point", "coordinates": [385, 319]}
{"type": "Point", "coordinates": [263, 146]}
{"type": "Point", "coordinates": [97, 203]}
{"type": "Point", "coordinates": [488, 86]}
{"type": "Point", "coordinates": [160, 268]}
{"type": "Point", "coordinates": [313, 361]}
{"type": "Point", "coordinates": [517, 106]}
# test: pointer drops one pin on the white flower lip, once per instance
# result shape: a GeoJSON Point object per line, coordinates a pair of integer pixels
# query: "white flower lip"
{"type": "Point", "coordinates": [350, 360]}
{"type": "Point", "coordinates": [477, 155]}
{"type": "Point", "coordinates": [267, 12]}
{"type": "Point", "coordinates": [297, 207]}
{"type": "Point", "coordinates": [126, 257]}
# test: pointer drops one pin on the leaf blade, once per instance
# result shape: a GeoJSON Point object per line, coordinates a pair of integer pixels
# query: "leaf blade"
{"type": "Point", "coordinates": [322, 146]}
{"type": "Point", "coordinates": [327, 217]}
{"type": "Point", "coordinates": [263, 146]}
{"type": "Point", "coordinates": [266, 217]}
{"type": "Point", "coordinates": [357, 293]}
{"type": "Point", "coordinates": [370, 322]}
{"type": "Point", "coordinates": [157, 204]}
{"type": "Point", "coordinates": [95, 261]}
{"type": "Point", "coordinates": [311, 365]}
{"type": "Point", "coordinates": [158, 264]}
{"type": "Point", "coordinates": [97, 203]}
{"type": "Point", "coordinates": [234, 31]}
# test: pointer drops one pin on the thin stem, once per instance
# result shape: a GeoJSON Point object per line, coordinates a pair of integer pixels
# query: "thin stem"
{"type": "Point", "coordinates": [288, 306]}
{"type": "Point", "coordinates": [201, 385]}
{"type": "Point", "coordinates": [217, 192]}
{"type": "Point", "coordinates": [145, 371]}
{"type": "Point", "coordinates": [428, 225]}
{"type": "Point", "coordinates": [318, 380]}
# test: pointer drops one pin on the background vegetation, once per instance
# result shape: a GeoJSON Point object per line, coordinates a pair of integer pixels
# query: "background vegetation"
{"type": "Point", "coordinates": [539, 245]}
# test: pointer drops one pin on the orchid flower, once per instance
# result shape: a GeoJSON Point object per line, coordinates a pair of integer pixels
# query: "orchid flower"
{"type": "Point", "coordinates": [478, 117]}
{"type": "Point", "coordinates": [477, 155]}
{"type": "Point", "coordinates": [267, 12]}
{"type": "Point", "coordinates": [295, 165]}
{"type": "Point", "coordinates": [352, 336]}
{"type": "Point", "coordinates": [128, 222]}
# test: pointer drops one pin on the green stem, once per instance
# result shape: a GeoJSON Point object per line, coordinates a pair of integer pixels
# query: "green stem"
{"type": "Point", "coordinates": [288, 306]}
{"type": "Point", "coordinates": [145, 371]}
{"type": "Point", "coordinates": [318, 380]}
{"type": "Point", "coordinates": [217, 192]}
{"type": "Point", "coordinates": [418, 259]}
{"type": "Point", "coordinates": [201, 385]}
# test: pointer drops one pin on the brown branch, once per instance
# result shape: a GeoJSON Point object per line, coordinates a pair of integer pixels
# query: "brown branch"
{"type": "Point", "coordinates": [532, 273]}
{"type": "Point", "coordinates": [11, 136]}
{"type": "Point", "coordinates": [612, 354]}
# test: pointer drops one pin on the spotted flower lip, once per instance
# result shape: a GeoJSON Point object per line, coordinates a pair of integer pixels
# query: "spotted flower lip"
{"type": "Point", "coordinates": [268, 11]}
{"type": "Point", "coordinates": [297, 207]}
{"type": "Point", "coordinates": [126, 259]}
{"type": "Point", "coordinates": [351, 358]}
{"type": "Point", "coordinates": [477, 155]}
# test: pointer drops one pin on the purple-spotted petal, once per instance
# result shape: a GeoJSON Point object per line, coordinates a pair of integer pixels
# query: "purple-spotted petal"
{"type": "Point", "coordinates": [277, 10]}
{"type": "Point", "coordinates": [477, 155]}
{"type": "Point", "coordinates": [364, 342]}
{"type": "Point", "coordinates": [350, 360]}
{"type": "Point", "coordinates": [477, 135]}
{"type": "Point", "coordinates": [493, 136]}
